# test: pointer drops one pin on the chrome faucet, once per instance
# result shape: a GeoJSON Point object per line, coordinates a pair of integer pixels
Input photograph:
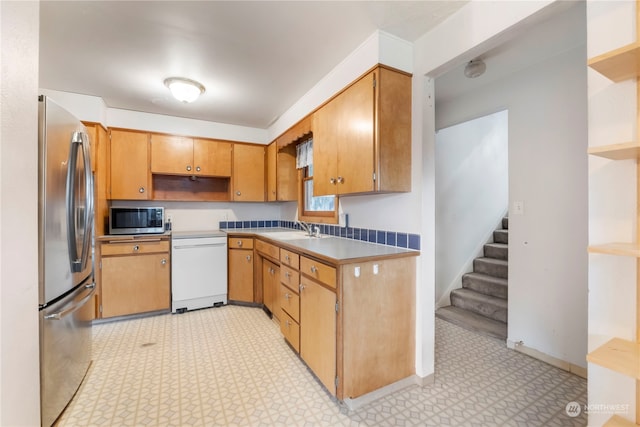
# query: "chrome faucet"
{"type": "Point", "coordinates": [306, 228]}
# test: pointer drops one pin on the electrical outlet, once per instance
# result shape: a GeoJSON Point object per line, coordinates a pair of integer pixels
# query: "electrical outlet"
{"type": "Point", "coordinates": [169, 218]}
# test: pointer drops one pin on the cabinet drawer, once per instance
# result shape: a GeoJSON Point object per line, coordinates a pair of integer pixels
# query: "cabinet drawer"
{"type": "Point", "coordinates": [130, 247]}
{"type": "Point", "coordinates": [290, 277]}
{"type": "Point", "coordinates": [240, 243]}
{"type": "Point", "coordinates": [289, 258]}
{"type": "Point", "coordinates": [319, 271]}
{"type": "Point", "coordinates": [290, 302]}
{"type": "Point", "coordinates": [268, 249]}
{"type": "Point", "coordinates": [291, 331]}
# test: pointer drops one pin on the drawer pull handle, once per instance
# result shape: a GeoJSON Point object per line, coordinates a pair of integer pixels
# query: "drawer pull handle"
{"type": "Point", "coordinates": [188, 168]}
{"type": "Point", "coordinates": [301, 287]}
{"type": "Point", "coordinates": [287, 274]}
{"type": "Point", "coordinates": [141, 189]}
{"type": "Point", "coordinates": [248, 257]}
{"type": "Point", "coordinates": [136, 248]}
{"type": "Point", "coordinates": [197, 168]}
{"type": "Point", "coordinates": [286, 295]}
{"type": "Point", "coordinates": [239, 242]}
{"type": "Point", "coordinates": [163, 261]}
{"type": "Point", "coordinates": [313, 269]}
{"type": "Point", "coordinates": [286, 257]}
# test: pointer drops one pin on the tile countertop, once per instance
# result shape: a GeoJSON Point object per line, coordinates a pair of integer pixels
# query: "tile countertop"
{"type": "Point", "coordinates": [336, 250]}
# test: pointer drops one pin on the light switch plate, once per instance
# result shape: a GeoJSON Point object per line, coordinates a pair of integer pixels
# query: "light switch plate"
{"type": "Point", "coordinates": [518, 208]}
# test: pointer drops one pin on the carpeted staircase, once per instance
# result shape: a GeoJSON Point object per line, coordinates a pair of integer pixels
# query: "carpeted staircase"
{"type": "Point", "coordinates": [481, 304]}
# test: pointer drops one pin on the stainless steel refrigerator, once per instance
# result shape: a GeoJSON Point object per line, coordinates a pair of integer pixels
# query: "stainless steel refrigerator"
{"type": "Point", "coordinates": [65, 221]}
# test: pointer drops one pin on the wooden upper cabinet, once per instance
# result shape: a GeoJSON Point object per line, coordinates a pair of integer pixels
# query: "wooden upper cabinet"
{"type": "Point", "coordinates": [129, 158]}
{"type": "Point", "coordinates": [248, 179]}
{"type": "Point", "coordinates": [178, 155]}
{"type": "Point", "coordinates": [172, 155]}
{"type": "Point", "coordinates": [272, 157]}
{"type": "Point", "coordinates": [211, 157]}
{"type": "Point", "coordinates": [362, 137]}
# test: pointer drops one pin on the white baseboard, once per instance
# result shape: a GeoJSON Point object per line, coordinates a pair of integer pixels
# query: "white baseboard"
{"type": "Point", "coordinates": [553, 361]}
{"type": "Point", "coordinates": [358, 402]}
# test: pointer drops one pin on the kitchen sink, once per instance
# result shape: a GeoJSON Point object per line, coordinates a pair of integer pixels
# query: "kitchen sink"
{"type": "Point", "coordinates": [290, 235]}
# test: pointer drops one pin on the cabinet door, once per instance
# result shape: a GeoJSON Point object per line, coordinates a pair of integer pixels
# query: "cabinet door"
{"type": "Point", "coordinates": [318, 331]}
{"type": "Point", "coordinates": [325, 135]}
{"type": "Point", "coordinates": [355, 148]}
{"type": "Point", "coordinates": [135, 284]}
{"type": "Point", "coordinates": [248, 173]}
{"type": "Point", "coordinates": [130, 165]}
{"type": "Point", "coordinates": [211, 157]}
{"type": "Point", "coordinates": [270, 280]}
{"type": "Point", "coordinates": [272, 152]}
{"type": "Point", "coordinates": [172, 155]}
{"type": "Point", "coordinates": [241, 275]}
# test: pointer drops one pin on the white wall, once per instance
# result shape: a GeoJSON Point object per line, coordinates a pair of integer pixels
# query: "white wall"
{"type": "Point", "coordinates": [472, 194]}
{"type": "Point", "coordinates": [612, 205]}
{"type": "Point", "coordinates": [472, 30]}
{"type": "Point", "coordinates": [93, 109]}
{"type": "Point", "coordinates": [548, 172]}
{"type": "Point", "coordinates": [19, 355]}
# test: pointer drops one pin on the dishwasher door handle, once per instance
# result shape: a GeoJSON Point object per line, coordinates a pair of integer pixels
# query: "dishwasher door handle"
{"type": "Point", "coordinates": [208, 245]}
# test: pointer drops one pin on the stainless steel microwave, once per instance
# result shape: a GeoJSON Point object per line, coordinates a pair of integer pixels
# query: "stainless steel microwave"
{"type": "Point", "coordinates": [127, 220]}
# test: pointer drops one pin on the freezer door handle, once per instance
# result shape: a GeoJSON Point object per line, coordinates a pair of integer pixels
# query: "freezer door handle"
{"type": "Point", "coordinates": [64, 313]}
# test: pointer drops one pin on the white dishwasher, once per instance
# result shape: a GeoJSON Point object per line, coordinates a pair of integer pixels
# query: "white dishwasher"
{"type": "Point", "coordinates": [198, 270]}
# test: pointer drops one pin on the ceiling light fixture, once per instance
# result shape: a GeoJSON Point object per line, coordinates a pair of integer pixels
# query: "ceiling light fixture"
{"type": "Point", "coordinates": [184, 90]}
{"type": "Point", "coordinates": [475, 68]}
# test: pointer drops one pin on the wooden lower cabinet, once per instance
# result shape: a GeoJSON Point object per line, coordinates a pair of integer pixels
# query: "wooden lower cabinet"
{"type": "Point", "coordinates": [240, 274]}
{"type": "Point", "coordinates": [352, 324]}
{"type": "Point", "coordinates": [318, 331]}
{"type": "Point", "coordinates": [135, 278]}
{"type": "Point", "coordinates": [270, 285]}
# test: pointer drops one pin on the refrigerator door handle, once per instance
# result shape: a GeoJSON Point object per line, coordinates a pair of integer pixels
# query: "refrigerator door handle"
{"type": "Point", "coordinates": [64, 313]}
{"type": "Point", "coordinates": [78, 140]}
{"type": "Point", "coordinates": [88, 212]}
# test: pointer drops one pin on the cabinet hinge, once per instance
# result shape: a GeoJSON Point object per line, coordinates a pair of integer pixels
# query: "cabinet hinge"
{"type": "Point", "coordinates": [100, 308]}
{"type": "Point", "coordinates": [337, 306]}
{"type": "Point", "coordinates": [374, 82]}
{"type": "Point", "coordinates": [374, 176]}
{"type": "Point", "coordinates": [336, 382]}
{"type": "Point", "coordinates": [100, 264]}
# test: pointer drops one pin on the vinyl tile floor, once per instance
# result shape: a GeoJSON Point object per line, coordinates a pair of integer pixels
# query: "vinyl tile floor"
{"type": "Point", "coordinates": [229, 366]}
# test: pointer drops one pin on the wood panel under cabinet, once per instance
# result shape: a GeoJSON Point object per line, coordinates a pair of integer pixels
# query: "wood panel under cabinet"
{"type": "Point", "coordinates": [129, 170]}
{"type": "Point", "coordinates": [378, 324]}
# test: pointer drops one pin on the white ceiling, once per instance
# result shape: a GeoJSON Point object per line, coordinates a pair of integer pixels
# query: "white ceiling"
{"type": "Point", "coordinates": [256, 58]}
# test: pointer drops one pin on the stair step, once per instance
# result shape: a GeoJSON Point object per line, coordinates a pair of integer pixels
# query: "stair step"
{"type": "Point", "coordinates": [491, 267]}
{"type": "Point", "coordinates": [501, 236]}
{"type": "Point", "coordinates": [473, 322]}
{"type": "Point", "coordinates": [488, 285]}
{"type": "Point", "coordinates": [505, 223]}
{"type": "Point", "coordinates": [484, 305]}
{"type": "Point", "coordinates": [496, 250]}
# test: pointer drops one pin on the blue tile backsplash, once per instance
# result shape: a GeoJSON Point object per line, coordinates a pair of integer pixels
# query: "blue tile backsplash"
{"type": "Point", "coordinates": [382, 237]}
